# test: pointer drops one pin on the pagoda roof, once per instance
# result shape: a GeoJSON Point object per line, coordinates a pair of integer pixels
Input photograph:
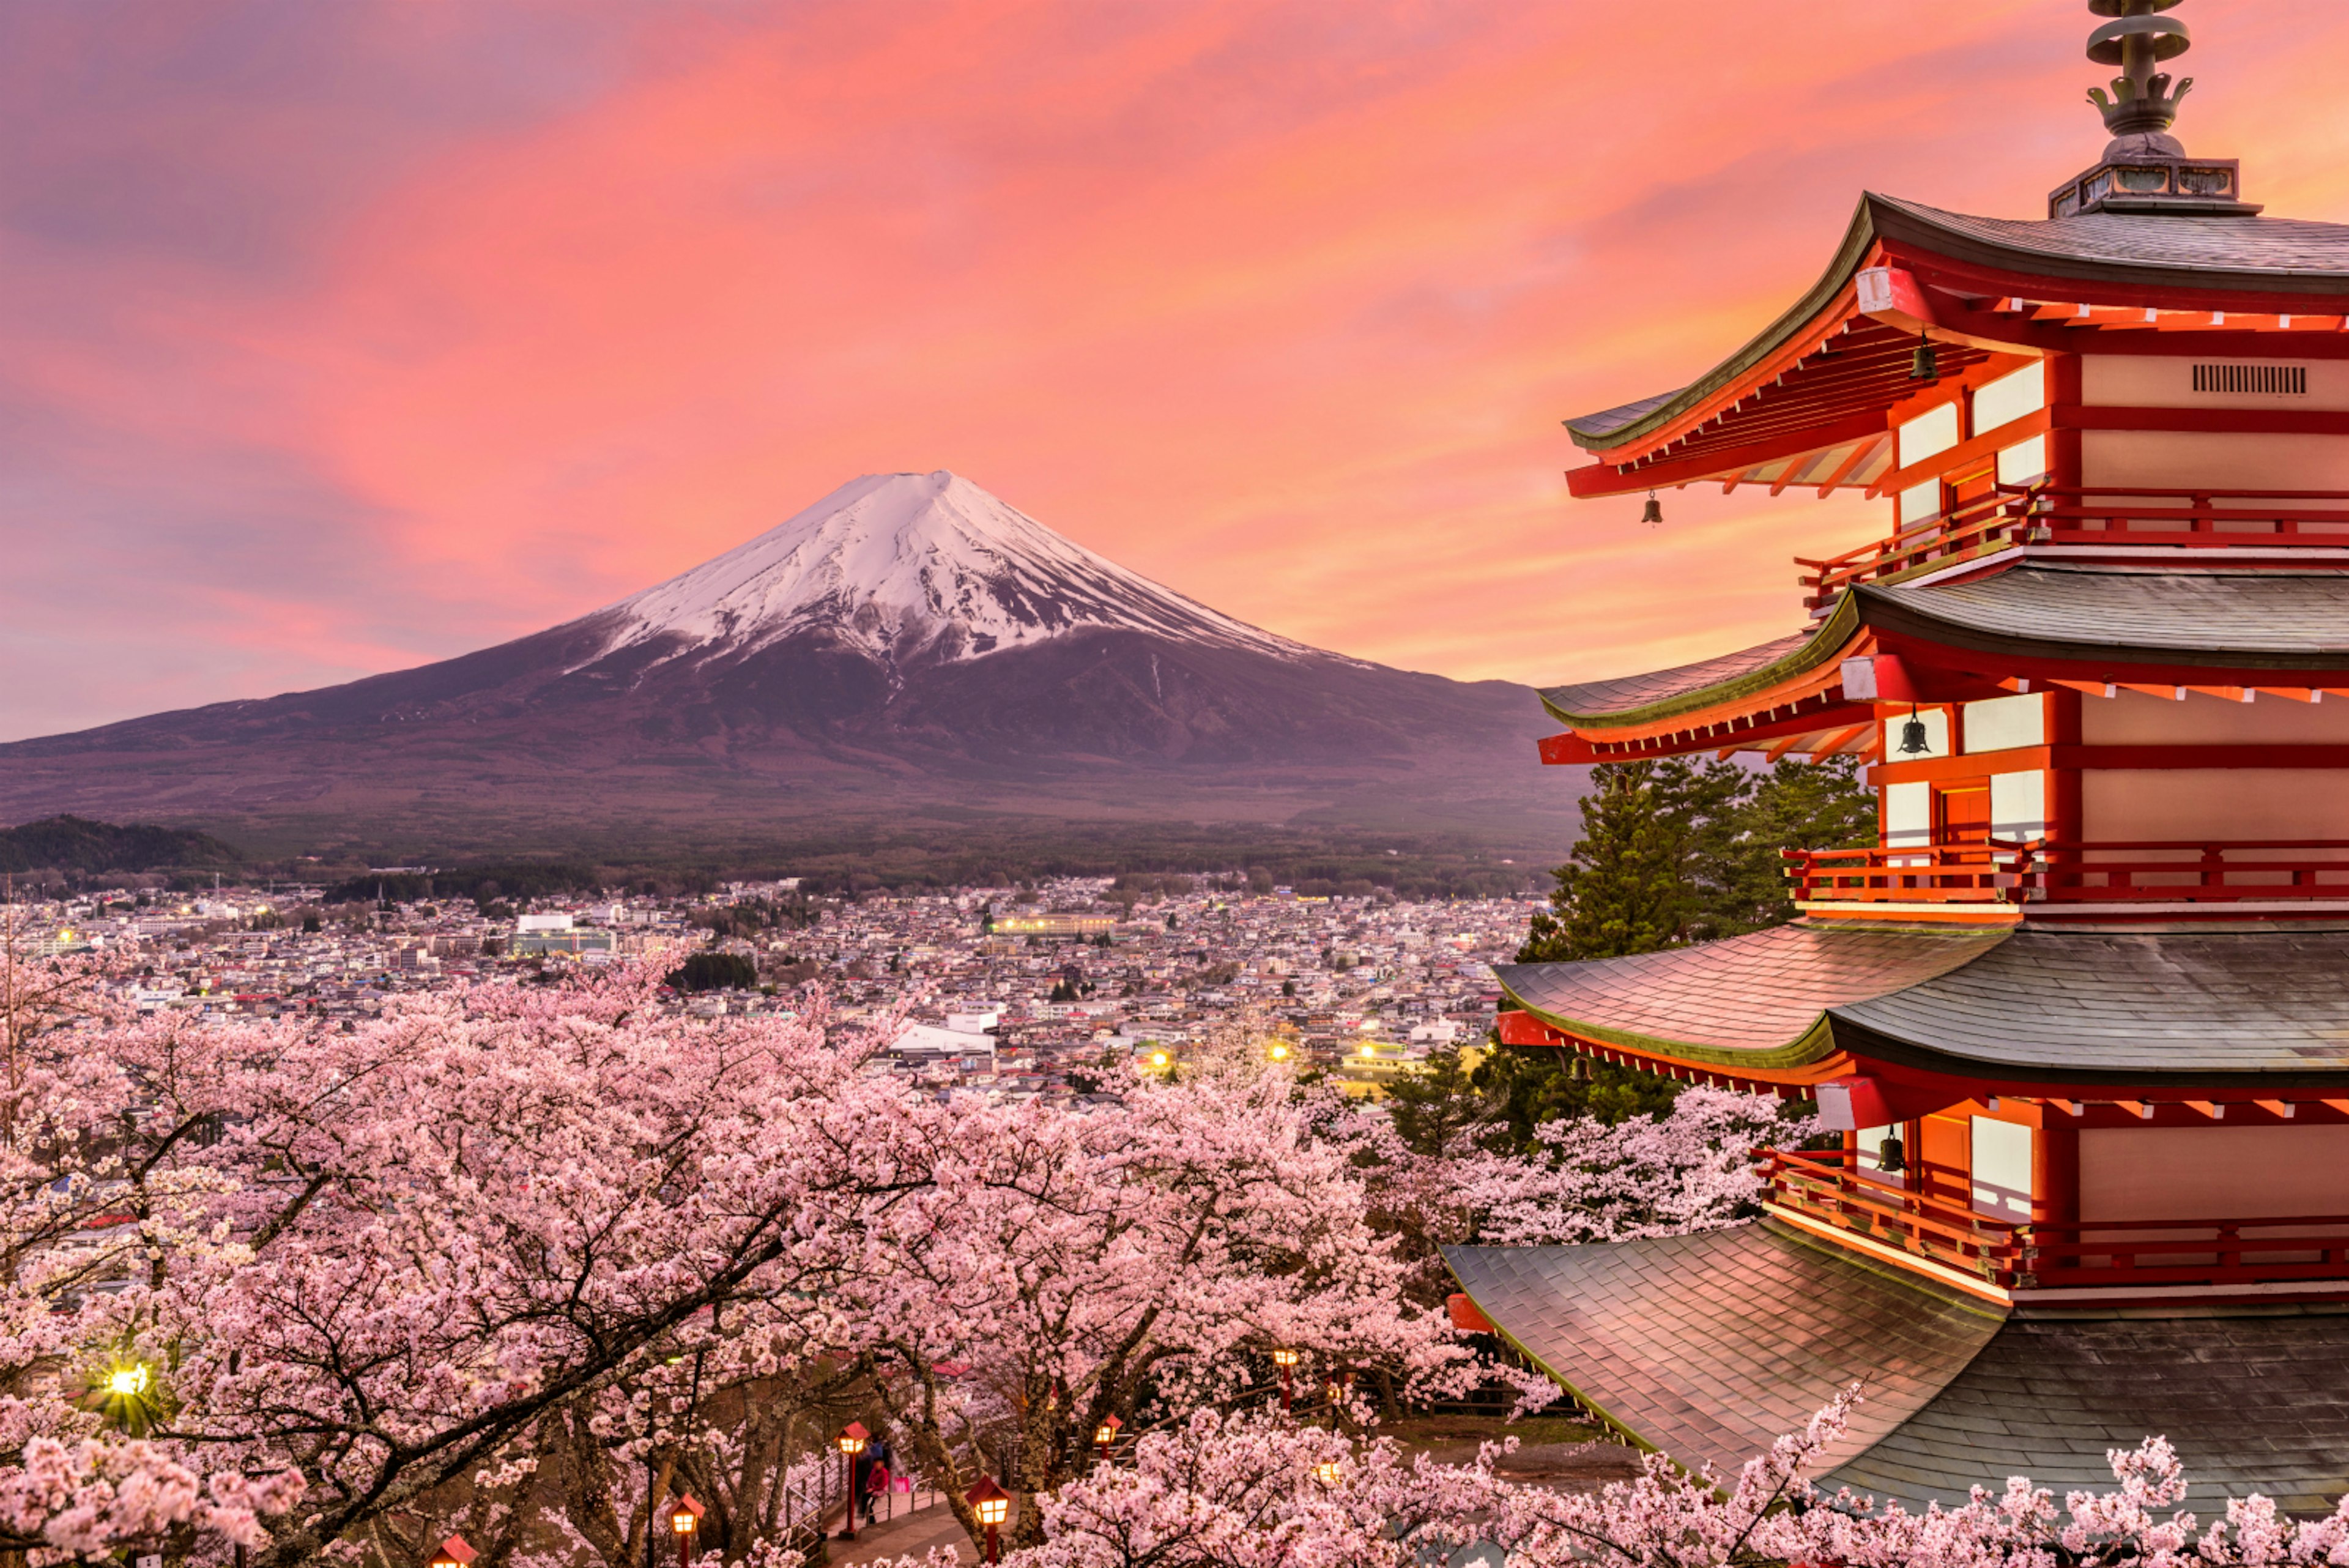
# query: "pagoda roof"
{"type": "Point", "coordinates": [2182, 1008]}
{"type": "Point", "coordinates": [2241, 617]}
{"type": "Point", "coordinates": [2099, 618]}
{"type": "Point", "coordinates": [1640, 693]}
{"type": "Point", "coordinates": [1707, 1347]}
{"type": "Point", "coordinates": [1804, 401]}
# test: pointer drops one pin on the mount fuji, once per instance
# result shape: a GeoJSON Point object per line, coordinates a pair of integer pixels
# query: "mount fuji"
{"type": "Point", "coordinates": [909, 648]}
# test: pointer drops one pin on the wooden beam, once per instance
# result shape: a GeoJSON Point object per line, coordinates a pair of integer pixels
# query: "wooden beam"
{"type": "Point", "coordinates": [2138, 1108]}
{"type": "Point", "coordinates": [2223, 422]}
{"type": "Point", "coordinates": [1839, 740]}
{"type": "Point", "coordinates": [1893, 296]}
{"type": "Point", "coordinates": [1989, 443]}
{"type": "Point", "coordinates": [2166, 694]}
{"type": "Point", "coordinates": [2088, 688]}
{"type": "Point", "coordinates": [1602, 478]}
{"type": "Point", "coordinates": [2281, 1108]}
{"type": "Point", "coordinates": [2295, 694]}
{"type": "Point", "coordinates": [2224, 693]}
{"type": "Point", "coordinates": [2215, 1110]}
{"type": "Point", "coordinates": [1860, 454]}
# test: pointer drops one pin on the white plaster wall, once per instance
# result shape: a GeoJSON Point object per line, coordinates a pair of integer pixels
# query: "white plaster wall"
{"type": "Point", "coordinates": [1908, 815]}
{"type": "Point", "coordinates": [2135, 719]}
{"type": "Point", "coordinates": [2002, 1169]}
{"type": "Point", "coordinates": [2018, 806]}
{"type": "Point", "coordinates": [2187, 459]}
{"type": "Point", "coordinates": [2147, 381]}
{"type": "Point", "coordinates": [1934, 430]}
{"type": "Point", "coordinates": [2008, 398]}
{"type": "Point", "coordinates": [2217, 1172]}
{"type": "Point", "coordinates": [2002, 724]}
{"type": "Point", "coordinates": [2198, 803]}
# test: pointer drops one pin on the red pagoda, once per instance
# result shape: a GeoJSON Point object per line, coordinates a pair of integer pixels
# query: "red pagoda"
{"type": "Point", "coordinates": [2082, 1011]}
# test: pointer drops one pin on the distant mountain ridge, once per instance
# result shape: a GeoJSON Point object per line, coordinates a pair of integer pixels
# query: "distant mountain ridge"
{"type": "Point", "coordinates": [910, 645]}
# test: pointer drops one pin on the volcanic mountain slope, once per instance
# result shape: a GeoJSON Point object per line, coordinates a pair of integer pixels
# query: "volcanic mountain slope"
{"type": "Point", "coordinates": [909, 642]}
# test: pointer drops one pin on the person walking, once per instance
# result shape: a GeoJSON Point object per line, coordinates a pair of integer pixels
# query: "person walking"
{"type": "Point", "coordinates": [877, 1475]}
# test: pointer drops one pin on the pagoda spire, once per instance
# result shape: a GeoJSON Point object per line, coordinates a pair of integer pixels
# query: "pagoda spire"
{"type": "Point", "coordinates": [2143, 105]}
{"type": "Point", "coordinates": [2144, 169]}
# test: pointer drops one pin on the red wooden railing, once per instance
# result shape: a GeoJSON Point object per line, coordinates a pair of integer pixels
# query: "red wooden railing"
{"type": "Point", "coordinates": [2102, 871]}
{"type": "Point", "coordinates": [1977, 528]}
{"type": "Point", "coordinates": [1941, 874]}
{"type": "Point", "coordinates": [2075, 514]}
{"type": "Point", "coordinates": [1823, 1187]}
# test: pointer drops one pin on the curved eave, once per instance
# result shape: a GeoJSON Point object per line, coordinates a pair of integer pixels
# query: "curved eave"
{"type": "Point", "coordinates": [1857, 241]}
{"type": "Point", "coordinates": [1811, 1048]}
{"type": "Point", "coordinates": [1834, 1043]}
{"type": "Point", "coordinates": [1829, 643]}
{"type": "Point", "coordinates": [1882, 219]}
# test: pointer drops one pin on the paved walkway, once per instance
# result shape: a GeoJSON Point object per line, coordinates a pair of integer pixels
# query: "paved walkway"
{"type": "Point", "coordinates": [910, 1533]}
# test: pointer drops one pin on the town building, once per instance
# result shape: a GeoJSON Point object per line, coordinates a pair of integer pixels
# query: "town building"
{"type": "Point", "coordinates": [2081, 1012]}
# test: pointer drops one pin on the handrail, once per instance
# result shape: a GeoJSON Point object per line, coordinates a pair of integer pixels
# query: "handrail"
{"type": "Point", "coordinates": [2072, 871]}
{"type": "Point", "coordinates": [2211, 517]}
{"type": "Point", "coordinates": [1821, 1186]}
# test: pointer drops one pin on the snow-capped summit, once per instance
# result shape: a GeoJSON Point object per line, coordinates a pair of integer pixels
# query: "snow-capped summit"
{"type": "Point", "coordinates": [905, 565]}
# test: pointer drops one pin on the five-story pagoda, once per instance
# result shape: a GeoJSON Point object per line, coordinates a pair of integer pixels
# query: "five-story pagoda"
{"type": "Point", "coordinates": [2082, 1011]}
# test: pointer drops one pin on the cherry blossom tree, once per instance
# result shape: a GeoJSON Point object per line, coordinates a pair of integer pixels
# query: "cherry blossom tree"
{"type": "Point", "coordinates": [1036, 1271]}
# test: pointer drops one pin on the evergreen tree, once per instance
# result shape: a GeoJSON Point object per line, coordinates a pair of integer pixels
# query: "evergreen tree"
{"type": "Point", "coordinates": [1673, 853]}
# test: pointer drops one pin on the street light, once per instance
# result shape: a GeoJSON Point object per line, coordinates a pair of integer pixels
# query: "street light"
{"type": "Point", "coordinates": [1105, 1434]}
{"type": "Point", "coordinates": [1279, 1052]}
{"type": "Point", "coordinates": [454, 1553]}
{"type": "Point", "coordinates": [1286, 1361]}
{"type": "Point", "coordinates": [684, 1519]}
{"type": "Point", "coordinates": [991, 1505]}
{"type": "Point", "coordinates": [1326, 1472]}
{"type": "Point", "coordinates": [851, 1443]}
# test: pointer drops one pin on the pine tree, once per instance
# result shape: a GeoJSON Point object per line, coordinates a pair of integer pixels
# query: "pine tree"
{"type": "Point", "coordinates": [1622, 892]}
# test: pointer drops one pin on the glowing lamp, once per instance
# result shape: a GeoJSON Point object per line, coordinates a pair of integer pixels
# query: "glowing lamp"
{"type": "Point", "coordinates": [852, 1438]}
{"type": "Point", "coordinates": [1281, 1053]}
{"type": "Point", "coordinates": [1106, 1433]}
{"type": "Point", "coordinates": [128, 1382]}
{"type": "Point", "coordinates": [989, 1503]}
{"type": "Point", "coordinates": [685, 1517]}
{"type": "Point", "coordinates": [1369, 1049]}
{"type": "Point", "coordinates": [454, 1553]}
{"type": "Point", "coordinates": [1326, 1472]}
{"type": "Point", "coordinates": [1158, 1058]}
{"type": "Point", "coordinates": [1284, 1358]}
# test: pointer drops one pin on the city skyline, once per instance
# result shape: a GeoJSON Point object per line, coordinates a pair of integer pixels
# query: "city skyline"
{"type": "Point", "coordinates": [345, 341]}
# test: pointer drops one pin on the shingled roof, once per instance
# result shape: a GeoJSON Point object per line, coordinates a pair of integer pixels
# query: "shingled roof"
{"type": "Point", "coordinates": [1707, 1347]}
{"type": "Point", "coordinates": [2184, 257]}
{"type": "Point", "coordinates": [2188, 1007]}
{"type": "Point", "coordinates": [2237, 618]}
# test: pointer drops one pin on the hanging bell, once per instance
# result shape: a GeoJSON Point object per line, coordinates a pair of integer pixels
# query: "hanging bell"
{"type": "Point", "coordinates": [1890, 1157]}
{"type": "Point", "coordinates": [1927, 366]}
{"type": "Point", "coordinates": [1652, 515]}
{"type": "Point", "coordinates": [1913, 742]}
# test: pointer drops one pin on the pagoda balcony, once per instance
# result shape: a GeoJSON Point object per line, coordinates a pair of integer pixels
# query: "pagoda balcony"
{"type": "Point", "coordinates": [2073, 516]}
{"type": "Point", "coordinates": [2100, 872]}
{"type": "Point", "coordinates": [1824, 1190]}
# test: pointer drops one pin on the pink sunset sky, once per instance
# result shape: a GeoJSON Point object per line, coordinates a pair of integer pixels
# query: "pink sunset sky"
{"type": "Point", "coordinates": [344, 337]}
